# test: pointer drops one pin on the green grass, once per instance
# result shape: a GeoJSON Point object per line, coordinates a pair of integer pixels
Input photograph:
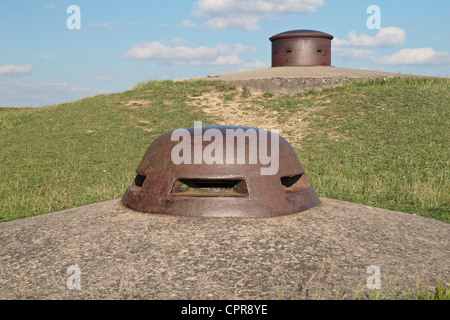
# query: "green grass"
{"type": "Point", "coordinates": [392, 148]}
{"type": "Point", "coordinates": [225, 87]}
{"type": "Point", "coordinates": [440, 291]}
{"type": "Point", "coordinates": [245, 92]}
{"type": "Point", "coordinates": [73, 154]}
{"type": "Point", "coordinates": [268, 94]}
{"type": "Point", "coordinates": [379, 143]}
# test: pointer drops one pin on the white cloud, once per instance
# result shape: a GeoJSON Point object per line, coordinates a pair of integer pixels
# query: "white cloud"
{"type": "Point", "coordinates": [220, 55]}
{"type": "Point", "coordinates": [35, 94]}
{"type": "Point", "coordinates": [252, 65]}
{"type": "Point", "coordinates": [386, 37]}
{"type": "Point", "coordinates": [49, 6]}
{"type": "Point", "coordinates": [40, 86]}
{"type": "Point", "coordinates": [225, 7]}
{"type": "Point", "coordinates": [104, 25]}
{"type": "Point", "coordinates": [372, 68]}
{"type": "Point", "coordinates": [103, 77]}
{"type": "Point", "coordinates": [245, 66]}
{"type": "Point", "coordinates": [47, 57]}
{"type": "Point", "coordinates": [419, 56]}
{"type": "Point", "coordinates": [225, 14]}
{"type": "Point", "coordinates": [186, 24]}
{"type": "Point", "coordinates": [247, 22]}
{"type": "Point", "coordinates": [6, 90]}
{"type": "Point", "coordinates": [179, 41]}
{"type": "Point", "coordinates": [15, 70]}
{"type": "Point", "coordinates": [103, 91]}
{"type": "Point", "coordinates": [351, 53]}
{"type": "Point", "coordinates": [241, 49]}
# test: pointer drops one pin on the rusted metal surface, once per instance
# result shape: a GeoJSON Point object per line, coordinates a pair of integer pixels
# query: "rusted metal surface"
{"type": "Point", "coordinates": [301, 48]}
{"type": "Point", "coordinates": [219, 190]}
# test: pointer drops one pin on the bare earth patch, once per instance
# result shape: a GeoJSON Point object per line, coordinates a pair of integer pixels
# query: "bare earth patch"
{"type": "Point", "coordinates": [244, 112]}
{"type": "Point", "coordinates": [138, 103]}
{"type": "Point", "coordinates": [143, 125]}
{"type": "Point", "coordinates": [168, 102]}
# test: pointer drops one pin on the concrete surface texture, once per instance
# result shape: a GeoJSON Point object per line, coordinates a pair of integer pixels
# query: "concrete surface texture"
{"type": "Point", "coordinates": [117, 253]}
{"type": "Point", "coordinates": [290, 80]}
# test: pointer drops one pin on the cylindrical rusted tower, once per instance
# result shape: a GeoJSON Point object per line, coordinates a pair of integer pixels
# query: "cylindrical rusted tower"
{"type": "Point", "coordinates": [301, 48]}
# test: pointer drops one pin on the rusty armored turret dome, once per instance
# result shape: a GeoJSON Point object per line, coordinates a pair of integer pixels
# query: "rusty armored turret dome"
{"type": "Point", "coordinates": [250, 173]}
{"type": "Point", "coordinates": [301, 47]}
{"type": "Point", "coordinates": [301, 33]}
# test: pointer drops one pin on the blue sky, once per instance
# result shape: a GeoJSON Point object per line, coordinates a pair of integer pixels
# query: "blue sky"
{"type": "Point", "coordinates": [122, 43]}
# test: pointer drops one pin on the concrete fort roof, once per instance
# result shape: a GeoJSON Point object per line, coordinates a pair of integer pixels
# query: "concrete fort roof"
{"type": "Point", "coordinates": [301, 72]}
{"type": "Point", "coordinates": [290, 80]}
{"type": "Point", "coordinates": [124, 254]}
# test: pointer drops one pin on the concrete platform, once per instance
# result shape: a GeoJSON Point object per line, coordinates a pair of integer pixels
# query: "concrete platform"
{"type": "Point", "coordinates": [290, 80]}
{"type": "Point", "coordinates": [122, 254]}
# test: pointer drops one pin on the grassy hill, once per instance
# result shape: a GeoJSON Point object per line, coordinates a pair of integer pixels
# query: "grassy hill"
{"type": "Point", "coordinates": [379, 143]}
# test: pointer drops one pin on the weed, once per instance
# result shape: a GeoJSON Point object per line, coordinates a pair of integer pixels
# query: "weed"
{"type": "Point", "coordinates": [268, 94]}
